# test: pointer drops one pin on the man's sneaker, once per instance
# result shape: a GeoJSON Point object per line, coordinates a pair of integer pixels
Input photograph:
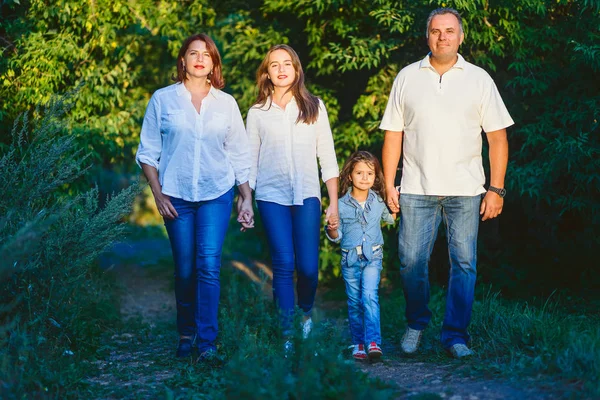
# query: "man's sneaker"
{"type": "Point", "coordinates": [306, 328]}
{"type": "Point", "coordinates": [375, 352]}
{"type": "Point", "coordinates": [358, 352]}
{"type": "Point", "coordinates": [460, 350]}
{"type": "Point", "coordinates": [411, 340]}
{"type": "Point", "coordinates": [184, 349]}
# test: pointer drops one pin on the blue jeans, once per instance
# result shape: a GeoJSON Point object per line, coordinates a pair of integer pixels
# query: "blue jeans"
{"type": "Point", "coordinates": [293, 234]}
{"type": "Point", "coordinates": [362, 284]}
{"type": "Point", "coordinates": [197, 236]}
{"type": "Point", "coordinates": [420, 217]}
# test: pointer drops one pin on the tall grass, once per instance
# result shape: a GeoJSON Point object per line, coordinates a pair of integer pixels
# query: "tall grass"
{"type": "Point", "coordinates": [54, 302]}
{"type": "Point", "coordinates": [546, 338]}
{"type": "Point", "coordinates": [552, 339]}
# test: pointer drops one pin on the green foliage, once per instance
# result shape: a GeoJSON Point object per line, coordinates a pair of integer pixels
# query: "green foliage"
{"type": "Point", "coordinates": [55, 302]}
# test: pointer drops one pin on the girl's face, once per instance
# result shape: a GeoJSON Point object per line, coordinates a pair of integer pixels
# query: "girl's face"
{"type": "Point", "coordinates": [197, 60]}
{"type": "Point", "coordinates": [362, 176]}
{"type": "Point", "coordinates": [281, 70]}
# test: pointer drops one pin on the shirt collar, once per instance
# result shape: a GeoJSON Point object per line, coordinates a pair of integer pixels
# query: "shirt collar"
{"type": "Point", "coordinates": [182, 90]}
{"type": "Point", "coordinates": [269, 103]}
{"type": "Point", "coordinates": [348, 199]}
{"type": "Point", "coordinates": [426, 62]}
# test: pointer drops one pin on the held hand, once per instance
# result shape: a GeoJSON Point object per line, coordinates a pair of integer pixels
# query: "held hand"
{"type": "Point", "coordinates": [245, 214]}
{"type": "Point", "coordinates": [393, 199]}
{"type": "Point", "coordinates": [332, 218]}
{"type": "Point", "coordinates": [164, 206]}
{"type": "Point", "coordinates": [491, 206]}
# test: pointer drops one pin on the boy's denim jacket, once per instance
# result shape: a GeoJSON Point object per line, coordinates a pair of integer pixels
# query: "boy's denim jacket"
{"type": "Point", "coordinates": [361, 227]}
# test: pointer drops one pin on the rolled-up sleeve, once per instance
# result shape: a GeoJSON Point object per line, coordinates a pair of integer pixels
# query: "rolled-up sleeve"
{"type": "Point", "coordinates": [150, 146]}
{"type": "Point", "coordinates": [236, 146]}
{"type": "Point", "coordinates": [254, 141]}
{"type": "Point", "coordinates": [325, 147]}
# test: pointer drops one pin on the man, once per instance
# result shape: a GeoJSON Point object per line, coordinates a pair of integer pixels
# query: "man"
{"type": "Point", "coordinates": [434, 116]}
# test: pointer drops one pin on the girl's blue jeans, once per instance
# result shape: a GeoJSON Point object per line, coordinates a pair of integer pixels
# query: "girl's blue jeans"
{"type": "Point", "coordinates": [362, 284]}
{"type": "Point", "coordinates": [420, 217]}
{"type": "Point", "coordinates": [293, 237]}
{"type": "Point", "coordinates": [197, 236]}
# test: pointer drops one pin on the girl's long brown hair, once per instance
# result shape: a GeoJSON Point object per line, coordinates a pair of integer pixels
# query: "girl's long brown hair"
{"type": "Point", "coordinates": [307, 103]}
{"type": "Point", "coordinates": [216, 76]}
{"type": "Point", "coordinates": [371, 161]}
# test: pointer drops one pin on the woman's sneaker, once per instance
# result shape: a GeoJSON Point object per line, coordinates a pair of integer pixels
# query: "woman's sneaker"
{"type": "Point", "coordinates": [306, 328]}
{"type": "Point", "coordinates": [375, 352]}
{"type": "Point", "coordinates": [358, 352]}
{"type": "Point", "coordinates": [184, 349]}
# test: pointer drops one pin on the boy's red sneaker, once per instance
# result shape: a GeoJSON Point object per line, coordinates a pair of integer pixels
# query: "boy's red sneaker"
{"type": "Point", "coordinates": [375, 352]}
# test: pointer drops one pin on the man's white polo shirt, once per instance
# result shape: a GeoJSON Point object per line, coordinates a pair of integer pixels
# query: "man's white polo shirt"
{"type": "Point", "coordinates": [442, 117]}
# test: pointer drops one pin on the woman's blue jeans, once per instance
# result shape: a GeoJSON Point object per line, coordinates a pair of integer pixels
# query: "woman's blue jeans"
{"type": "Point", "coordinates": [197, 236]}
{"type": "Point", "coordinates": [362, 285]}
{"type": "Point", "coordinates": [293, 236]}
{"type": "Point", "coordinates": [420, 217]}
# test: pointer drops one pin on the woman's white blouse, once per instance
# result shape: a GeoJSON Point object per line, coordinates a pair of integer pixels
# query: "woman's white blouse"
{"type": "Point", "coordinates": [284, 153]}
{"type": "Point", "coordinates": [199, 156]}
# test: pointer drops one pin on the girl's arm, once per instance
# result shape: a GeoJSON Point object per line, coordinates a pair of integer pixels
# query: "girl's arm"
{"type": "Point", "coordinates": [334, 233]}
{"type": "Point", "coordinates": [327, 160]}
{"type": "Point", "coordinates": [386, 216]}
{"type": "Point", "coordinates": [331, 214]}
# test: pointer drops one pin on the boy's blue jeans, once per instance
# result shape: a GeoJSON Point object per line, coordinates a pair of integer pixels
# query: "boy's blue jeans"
{"type": "Point", "coordinates": [293, 236]}
{"type": "Point", "coordinates": [420, 217]}
{"type": "Point", "coordinates": [197, 236]}
{"type": "Point", "coordinates": [362, 283]}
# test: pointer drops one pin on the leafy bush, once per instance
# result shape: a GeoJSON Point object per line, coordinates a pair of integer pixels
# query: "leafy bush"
{"type": "Point", "coordinates": [54, 300]}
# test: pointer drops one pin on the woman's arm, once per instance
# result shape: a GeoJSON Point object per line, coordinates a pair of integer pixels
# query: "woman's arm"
{"type": "Point", "coordinates": [163, 202]}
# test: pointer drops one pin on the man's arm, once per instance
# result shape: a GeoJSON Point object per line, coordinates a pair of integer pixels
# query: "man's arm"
{"type": "Point", "coordinates": [390, 156]}
{"type": "Point", "coordinates": [492, 203]}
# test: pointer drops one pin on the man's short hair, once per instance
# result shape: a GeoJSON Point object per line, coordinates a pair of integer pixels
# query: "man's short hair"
{"type": "Point", "coordinates": [442, 11]}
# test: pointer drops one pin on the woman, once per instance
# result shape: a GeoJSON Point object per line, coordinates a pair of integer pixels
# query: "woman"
{"type": "Point", "coordinates": [193, 149]}
{"type": "Point", "coordinates": [288, 131]}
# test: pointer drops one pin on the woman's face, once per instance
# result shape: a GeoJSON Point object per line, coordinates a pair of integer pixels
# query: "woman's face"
{"type": "Point", "coordinates": [197, 60]}
{"type": "Point", "coordinates": [281, 70]}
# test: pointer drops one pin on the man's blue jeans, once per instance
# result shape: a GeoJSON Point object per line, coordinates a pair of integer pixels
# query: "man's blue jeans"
{"type": "Point", "coordinates": [197, 236]}
{"type": "Point", "coordinates": [362, 284]}
{"type": "Point", "coordinates": [420, 217]}
{"type": "Point", "coordinates": [293, 236]}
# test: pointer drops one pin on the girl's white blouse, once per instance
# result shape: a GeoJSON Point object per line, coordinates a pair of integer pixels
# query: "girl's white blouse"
{"type": "Point", "coordinates": [284, 153]}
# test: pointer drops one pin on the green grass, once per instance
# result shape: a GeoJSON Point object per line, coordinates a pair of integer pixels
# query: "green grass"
{"type": "Point", "coordinates": [550, 341]}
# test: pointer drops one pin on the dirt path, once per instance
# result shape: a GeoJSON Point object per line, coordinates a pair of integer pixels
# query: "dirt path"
{"type": "Point", "coordinates": [140, 363]}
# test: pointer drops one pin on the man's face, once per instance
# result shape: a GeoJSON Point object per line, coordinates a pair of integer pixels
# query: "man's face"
{"type": "Point", "coordinates": [444, 37]}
